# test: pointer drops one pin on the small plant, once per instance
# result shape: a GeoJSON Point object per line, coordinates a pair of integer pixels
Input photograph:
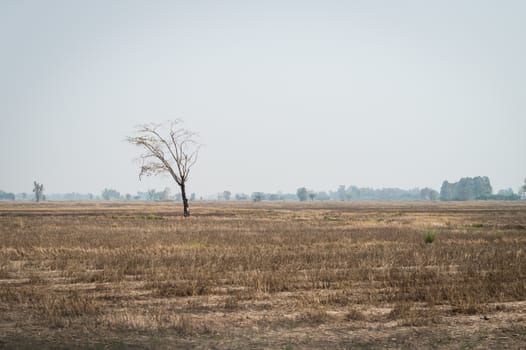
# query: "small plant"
{"type": "Point", "coordinates": [150, 217]}
{"type": "Point", "coordinates": [429, 236]}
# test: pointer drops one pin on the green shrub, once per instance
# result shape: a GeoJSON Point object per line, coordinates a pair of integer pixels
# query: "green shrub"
{"type": "Point", "coordinates": [429, 236]}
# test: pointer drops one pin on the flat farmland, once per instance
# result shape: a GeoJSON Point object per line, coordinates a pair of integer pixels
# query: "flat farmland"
{"type": "Point", "coordinates": [263, 275]}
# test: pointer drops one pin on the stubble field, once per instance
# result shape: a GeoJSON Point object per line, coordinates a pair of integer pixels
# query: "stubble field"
{"type": "Point", "coordinates": [263, 275]}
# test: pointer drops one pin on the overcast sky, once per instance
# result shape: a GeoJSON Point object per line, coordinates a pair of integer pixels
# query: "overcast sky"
{"type": "Point", "coordinates": [284, 94]}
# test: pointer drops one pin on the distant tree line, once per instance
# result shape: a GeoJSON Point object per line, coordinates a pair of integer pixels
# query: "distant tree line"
{"type": "Point", "coordinates": [475, 188]}
{"type": "Point", "coordinates": [224, 196]}
{"type": "Point", "coordinates": [428, 194]}
{"type": "Point", "coordinates": [304, 194]}
{"type": "Point", "coordinates": [111, 194]}
{"type": "Point", "coordinates": [260, 196]}
{"type": "Point", "coordinates": [7, 196]}
{"type": "Point", "coordinates": [72, 196]}
{"type": "Point", "coordinates": [505, 195]}
{"type": "Point", "coordinates": [468, 188]}
{"type": "Point", "coordinates": [367, 193]}
{"type": "Point", "coordinates": [353, 192]}
{"type": "Point", "coordinates": [343, 193]}
{"type": "Point", "coordinates": [163, 195]}
{"type": "Point", "coordinates": [150, 195]}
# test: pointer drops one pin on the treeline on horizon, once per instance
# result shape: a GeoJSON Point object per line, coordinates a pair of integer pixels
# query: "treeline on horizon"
{"type": "Point", "coordinates": [467, 188]}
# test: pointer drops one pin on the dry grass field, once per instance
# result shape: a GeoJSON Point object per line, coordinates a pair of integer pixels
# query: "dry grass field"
{"type": "Point", "coordinates": [263, 275]}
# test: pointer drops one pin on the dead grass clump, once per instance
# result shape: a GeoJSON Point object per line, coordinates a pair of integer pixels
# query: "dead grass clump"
{"type": "Point", "coordinates": [71, 304]}
{"type": "Point", "coordinates": [313, 316]}
{"type": "Point", "coordinates": [408, 314]}
{"type": "Point", "coordinates": [231, 303]}
{"type": "Point", "coordinates": [4, 272]}
{"type": "Point", "coordinates": [105, 275]}
{"type": "Point", "coordinates": [337, 298]}
{"type": "Point", "coordinates": [152, 320]}
{"type": "Point", "coordinates": [270, 281]}
{"type": "Point", "coordinates": [322, 278]}
{"type": "Point", "coordinates": [18, 295]}
{"type": "Point", "coordinates": [466, 291]}
{"type": "Point", "coordinates": [180, 288]}
{"type": "Point", "coordinates": [353, 314]}
{"type": "Point", "coordinates": [468, 308]}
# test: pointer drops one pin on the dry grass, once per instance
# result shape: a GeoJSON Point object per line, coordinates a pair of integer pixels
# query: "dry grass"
{"type": "Point", "coordinates": [278, 275]}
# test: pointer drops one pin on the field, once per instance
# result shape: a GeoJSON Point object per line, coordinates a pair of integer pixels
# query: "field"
{"type": "Point", "coordinates": [263, 275]}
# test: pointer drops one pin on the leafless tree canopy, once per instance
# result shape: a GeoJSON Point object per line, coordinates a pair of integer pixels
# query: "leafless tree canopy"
{"type": "Point", "coordinates": [39, 191]}
{"type": "Point", "coordinates": [170, 148]}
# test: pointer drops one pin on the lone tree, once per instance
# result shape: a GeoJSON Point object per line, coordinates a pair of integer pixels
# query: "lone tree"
{"type": "Point", "coordinates": [39, 191]}
{"type": "Point", "coordinates": [110, 194]}
{"type": "Point", "coordinates": [302, 194]}
{"type": "Point", "coordinates": [168, 148]}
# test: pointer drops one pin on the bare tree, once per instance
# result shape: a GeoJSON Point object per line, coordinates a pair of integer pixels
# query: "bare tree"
{"type": "Point", "coordinates": [168, 148]}
{"type": "Point", "coordinates": [39, 191]}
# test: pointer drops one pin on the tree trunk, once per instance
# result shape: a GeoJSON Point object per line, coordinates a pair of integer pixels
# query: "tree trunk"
{"type": "Point", "coordinates": [186, 211]}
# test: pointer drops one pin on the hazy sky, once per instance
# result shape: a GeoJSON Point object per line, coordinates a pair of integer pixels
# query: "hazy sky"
{"type": "Point", "coordinates": [283, 93]}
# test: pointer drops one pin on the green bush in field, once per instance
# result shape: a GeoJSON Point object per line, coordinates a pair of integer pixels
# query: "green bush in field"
{"type": "Point", "coordinates": [429, 236]}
